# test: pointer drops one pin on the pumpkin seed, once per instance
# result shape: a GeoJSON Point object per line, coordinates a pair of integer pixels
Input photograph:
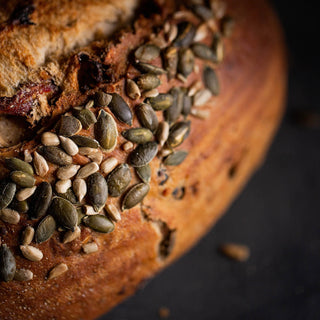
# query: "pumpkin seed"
{"type": "Point", "coordinates": [211, 80]}
{"type": "Point", "coordinates": [202, 51]}
{"type": "Point", "coordinates": [27, 235]}
{"type": "Point", "coordinates": [148, 81]}
{"type": "Point", "coordinates": [178, 133]}
{"type": "Point", "coordinates": [40, 164]}
{"type": "Point", "coordinates": [149, 68]}
{"type": "Point", "coordinates": [175, 158]}
{"type": "Point", "coordinates": [202, 12]}
{"type": "Point", "coordinates": [23, 275]}
{"type": "Point", "coordinates": [99, 223]}
{"type": "Point", "coordinates": [64, 212]}
{"type": "Point", "coordinates": [90, 247]}
{"type": "Point", "coordinates": [86, 117]}
{"type": "Point", "coordinates": [186, 61]}
{"type": "Point", "coordinates": [162, 132]}
{"type": "Point", "coordinates": [118, 180]}
{"type": "Point", "coordinates": [50, 139]}
{"type": "Point", "coordinates": [71, 235]}
{"type": "Point", "coordinates": [143, 154]}
{"type": "Point", "coordinates": [67, 172]}
{"type": "Point", "coordinates": [173, 112]}
{"type": "Point", "coordinates": [147, 117]}
{"type": "Point", "coordinates": [15, 164]}
{"type": "Point", "coordinates": [162, 102]}
{"type": "Point", "coordinates": [7, 264]}
{"type": "Point", "coordinates": [84, 141]}
{"type": "Point", "coordinates": [22, 179]}
{"type": "Point", "coordinates": [81, 215]}
{"type": "Point", "coordinates": [135, 195]}
{"type": "Point", "coordinates": [120, 109]}
{"type": "Point", "coordinates": [138, 135]}
{"type": "Point", "coordinates": [227, 26]}
{"type": "Point", "coordinates": [132, 90]}
{"type": "Point", "coordinates": [45, 229]}
{"type": "Point", "coordinates": [202, 97]}
{"type": "Point", "coordinates": [102, 99]}
{"type": "Point", "coordinates": [68, 195]}
{"type": "Point", "coordinates": [31, 253]}
{"type": "Point", "coordinates": [147, 52]}
{"type": "Point", "coordinates": [7, 192]}
{"type": "Point", "coordinates": [151, 93]}
{"type": "Point", "coordinates": [113, 212]}
{"type": "Point", "coordinates": [97, 193]}
{"type": "Point", "coordinates": [57, 271]}
{"type": "Point", "coordinates": [40, 200]}
{"type": "Point", "coordinates": [80, 188]}
{"type": "Point", "coordinates": [20, 206]}
{"type": "Point", "coordinates": [201, 114]}
{"type": "Point", "coordinates": [56, 155]}
{"type": "Point", "coordinates": [144, 173]}
{"type": "Point", "coordinates": [9, 216]}
{"type": "Point", "coordinates": [106, 131]}
{"type": "Point", "coordinates": [186, 32]}
{"type": "Point", "coordinates": [69, 126]}
{"type": "Point", "coordinates": [69, 146]}
{"type": "Point", "coordinates": [187, 104]}
{"type": "Point", "coordinates": [108, 165]}
{"type": "Point", "coordinates": [171, 61]}
{"type": "Point", "coordinates": [165, 152]}
{"type": "Point", "coordinates": [127, 146]}
{"type": "Point", "coordinates": [87, 170]}
{"type": "Point", "coordinates": [63, 185]}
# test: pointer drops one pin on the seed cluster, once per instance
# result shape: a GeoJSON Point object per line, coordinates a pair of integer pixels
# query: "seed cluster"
{"type": "Point", "coordinates": [79, 195]}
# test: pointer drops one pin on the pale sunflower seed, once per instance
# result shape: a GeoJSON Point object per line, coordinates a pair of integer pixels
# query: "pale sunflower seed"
{"type": "Point", "coordinates": [63, 185]}
{"type": "Point", "coordinates": [57, 271]}
{"type": "Point", "coordinates": [15, 164]}
{"type": "Point", "coordinates": [80, 188]}
{"type": "Point", "coordinates": [113, 212]}
{"type": "Point", "coordinates": [69, 146]}
{"type": "Point", "coordinates": [97, 157]}
{"type": "Point", "coordinates": [31, 253]}
{"type": "Point", "coordinates": [143, 154]}
{"type": "Point", "coordinates": [69, 236]}
{"type": "Point", "coordinates": [67, 172]}
{"type": "Point", "coordinates": [120, 109]}
{"type": "Point", "coordinates": [172, 33]}
{"type": "Point", "coordinates": [201, 33]}
{"type": "Point", "coordinates": [89, 210]}
{"type": "Point", "coordinates": [132, 90]}
{"type": "Point", "coordinates": [7, 264]}
{"type": "Point", "coordinates": [162, 132]}
{"type": "Point", "coordinates": [85, 151]}
{"type": "Point", "coordinates": [235, 251]}
{"type": "Point", "coordinates": [201, 114]}
{"type": "Point", "coordinates": [27, 235]}
{"type": "Point", "coordinates": [127, 146]}
{"type": "Point", "coordinates": [27, 156]}
{"type": "Point", "coordinates": [9, 216]}
{"type": "Point", "coordinates": [22, 179]}
{"type": "Point", "coordinates": [87, 170]}
{"type": "Point", "coordinates": [90, 247]}
{"type": "Point", "coordinates": [24, 194]}
{"type": "Point", "coordinates": [194, 88]}
{"type": "Point", "coordinates": [23, 275]}
{"type": "Point", "coordinates": [135, 195]}
{"type": "Point", "coordinates": [202, 97]}
{"type": "Point", "coordinates": [69, 126]}
{"type": "Point", "coordinates": [45, 229]}
{"type": "Point", "coordinates": [108, 165]}
{"type": "Point", "coordinates": [50, 139]}
{"type": "Point", "coordinates": [40, 164]}
{"type": "Point", "coordinates": [99, 223]}
{"type": "Point", "coordinates": [89, 104]}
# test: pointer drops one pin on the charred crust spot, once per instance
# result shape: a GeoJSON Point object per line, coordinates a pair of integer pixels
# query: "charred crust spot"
{"type": "Point", "coordinates": [21, 14]}
{"type": "Point", "coordinates": [162, 176]}
{"type": "Point", "coordinates": [179, 193]}
{"type": "Point", "coordinates": [168, 240]}
{"type": "Point", "coordinates": [195, 188]}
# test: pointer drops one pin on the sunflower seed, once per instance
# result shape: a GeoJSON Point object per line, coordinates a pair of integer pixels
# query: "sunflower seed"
{"type": "Point", "coordinates": [89, 104]}
{"type": "Point", "coordinates": [71, 235]}
{"type": "Point", "coordinates": [201, 114]}
{"type": "Point", "coordinates": [96, 157]}
{"type": "Point", "coordinates": [45, 229]}
{"type": "Point", "coordinates": [22, 179]}
{"type": "Point", "coordinates": [235, 251]}
{"type": "Point", "coordinates": [90, 247]}
{"type": "Point", "coordinates": [211, 80]}
{"type": "Point", "coordinates": [67, 172]}
{"type": "Point", "coordinates": [171, 61]}
{"type": "Point", "coordinates": [97, 191]}
{"type": "Point", "coordinates": [201, 33]}
{"type": "Point", "coordinates": [135, 195]}
{"type": "Point", "coordinates": [69, 146]}
{"type": "Point", "coordinates": [113, 212]}
{"type": "Point", "coordinates": [132, 90]}
{"type": "Point", "coordinates": [50, 139]}
{"type": "Point", "coordinates": [16, 164]}
{"type": "Point", "coordinates": [80, 188]}
{"type": "Point", "coordinates": [64, 212]}
{"type": "Point", "coordinates": [108, 165]}
{"type": "Point", "coordinates": [40, 200]}
{"type": "Point", "coordinates": [165, 152]}
{"type": "Point", "coordinates": [27, 235]}
{"type": "Point", "coordinates": [178, 133]}
{"type": "Point", "coordinates": [186, 61]}
{"type": "Point", "coordinates": [27, 156]}
{"type": "Point", "coordinates": [172, 33]}
{"type": "Point", "coordinates": [68, 195]}
{"type": "Point", "coordinates": [202, 12]}
{"type": "Point", "coordinates": [194, 88]}
{"type": "Point", "coordinates": [186, 32]}
{"type": "Point", "coordinates": [202, 97]}
{"type": "Point", "coordinates": [63, 185]}
{"type": "Point", "coordinates": [99, 223]}
{"type": "Point", "coordinates": [162, 132]}
{"type": "Point", "coordinates": [102, 99]}
{"type": "Point", "coordinates": [69, 126]}
{"type": "Point", "coordinates": [120, 109]}
{"type": "Point", "coordinates": [143, 154]}
{"type": "Point", "coordinates": [127, 146]}
{"type": "Point", "coordinates": [227, 25]}
{"type": "Point", "coordinates": [203, 52]}
{"type": "Point", "coordinates": [85, 151]}
{"type": "Point", "coordinates": [187, 104]}
{"type": "Point", "coordinates": [57, 271]}
{"type": "Point", "coordinates": [40, 164]}
{"type": "Point", "coordinates": [9, 216]}
{"type": "Point", "coordinates": [118, 180]}
{"type": "Point", "coordinates": [138, 135]}
{"type": "Point", "coordinates": [147, 52]}
{"type": "Point", "coordinates": [87, 170]}
{"type": "Point", "coordinates": [182, 78]}
{"type": "Point", "coordinates": [31, 253]}
{"type": "Point", "coordinates": [7, 192]}
{"type": "Point", "coordinates": [144, 173]}
{"type": "Point", "coordinates": [84, 141]}
{"type": "Point", "coordinates": [149, 68]}
{"type": "Point", "coordinates": [24, 194]}
{"type": "Point", "coordinates": [89, 210]}
{"type": "Point", "coordinates": [175, 158]}
{"type": "Point", "coordinates": [56, 156]}
{"type": "Point", "coordinates": [162, 102]}
{"type": "Point", "coordinates": [20, 206]}
{"type": "Point", "coordinates": [151, 93]}
{"type": "Point", "coordinates": [148, 81]}
{"type": "Point", "coordinates": [106, 131]}
{"type": "Point", "coordinates": [218, 49]}
{"type": "Point", "coordinates": [86, 117]}
{"type": "Point", "coordinates": [147, 117]}
{"type": "Point", "coordinates": [23, 275]}
{"type": "Point", "coordinates": [173, 112]}
{"type": "Point", "coordinates": [7, 264]}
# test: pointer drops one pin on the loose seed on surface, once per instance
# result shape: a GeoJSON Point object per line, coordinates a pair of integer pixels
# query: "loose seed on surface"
{"type": "Point", "coordinates": [201, 33]}
{"type": "Point", "coordinates": [132, 90]}
{"type": "Point", "coordinates": [186, 32]}
{"type": "Point", "coordinates": [162, 132]}
{"type": "Point", "coordinates": [120, 109]}
{"type": "Point", "coordinates": [148, 81]}
{"type": "Point", "coordinates": [69, 126]}
{"type": "Point", "coordinates": [90, 247]}
{"type": "Point", "coordinates": [85, 151]}
{"type": "Point", "coordinates": [45, 229]}
{"type": "Point", "coordinates": [9, 216]}
{"type": "Point", "coordinates": [40, 164]}
{"type": "Point", "coordinates": [162, 102]}
{"type": "Point", "coordinates": [96, 157]}
{"type": "Point", "coordinates": [56, 156]}
{"type": "Point", "coordinates": [86, 117]}
{"type": "Point", "coordinates": [127, 146]}
{"type": "Point", "coordinates": [151, 93]}
{"type": "Point", "coordinates": [24, 194]}
{"type": "Point", "coordinates": [227, 26]}
{"type": "Point", "coordinates": [7, 192]}
{"type": "Point", "coordinates": [202, 12]}
{"type": "Point", "coordinates": [40, 200]}
{"type": "Point", "coordinates": [31, 253]}
{"type": "Point", "coordinates": [171, 61]}
{"type": "Point", "coordinates": [174, 111]}
{"type": "Point", "coordinates": [186, 61]}
{"type": "Point", "coordinates": [138, 135]}
{"type": "Point", "coordinates": [143, 154]}
{"type": "Point", "coordinates": [50, 139]}
{"type": "Point", "coordinates": [135, 195]}
{"type": "Point", "coordinates": [102, 99]}
{"type": "Point", "coordinates": [178, 133]}
{"type": "Point", "coordinates": [80, 188]}
{"type": "Point", "coordinates": [175, 158]}
{"type": "Point", "coordinates": [84, 141]}
{"type": "Point", "coordinates": [147, 52]}
{"type": "Point", "coordinates": [57, 271]}
{"type": "Point", "coordinates": [89, 211]}
{"type": "Point", "coordinates": [27, 156]}
{"type": "Point", "coordinates": [68, 195]}
{"type": "Point", "coordinates": [23, 275]}
{"type": "Point", "coordinates": [118, 180]}
{"type": "Point", "coordinates": [99, 223]}
{"type": "Point", "coordinates": [211, 80]}
{"type": "Point", "coordinates": [187, 104]}
{"type": "Point", "coordinates": [22, 179]}
{"type": "Point", "coordinates": [20, 206]}
{"type": "Point", "coordinates": [63, 185]}
{"type": "Point", "coordinates": [201, 114]}
{"type": "Point", "coordinates": [217, 47]}
{"type": "Point", "coordinates": [149, 68]}
{"type": "Point", "coordinates": [147, 116]}
{"type": "Point", "coordinates": [71, 235]}
{"type": "Point", "coordinates": [108, 165]}
{"type": "Point", "coordinates": [203, 52]}
{"type": "Point", "coordinates": [235, 251]}
{"type": "Point", "coordinates": [67, 172]}
{"type": "Point", "coordinates": [144, 173]}
{"type": "Point", "coordinates": [113, 212]}
{"type": "Point", "coordinates": [27, 235]}
{"type": "Point", "coordinates": [172, 33]}
{"type": "Point", "coordinates": [202, 97]}
{"type": "Point", "coordinates": [97, 193]}
{"type": "Point", "coordinates": [69, 146]}
{"type": "Point", "coordinates": [87, 170]}
{"type": "Point", "coordinates": [7, 264]}
{"type": "Point", "coordinates": [15, 164]}
{"type": "Point", "coordinates": [89, 105]}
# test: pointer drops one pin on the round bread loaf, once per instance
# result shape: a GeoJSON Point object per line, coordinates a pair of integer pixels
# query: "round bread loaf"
{"type": "Point", "coordinates": [130, 144]}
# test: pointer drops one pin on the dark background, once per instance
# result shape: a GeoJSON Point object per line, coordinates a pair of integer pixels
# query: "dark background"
{"type": "Point", "coordinates": [277, 216]}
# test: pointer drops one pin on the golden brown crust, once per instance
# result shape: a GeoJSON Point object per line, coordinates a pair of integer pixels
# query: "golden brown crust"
{"type": "Point", "coordinates": [224, 150]}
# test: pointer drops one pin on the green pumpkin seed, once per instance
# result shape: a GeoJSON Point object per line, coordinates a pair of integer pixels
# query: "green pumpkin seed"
{"type": "Point", "coordinates": [20, 206]}
{"type": "Point", "coordinates": [69, 195]}
{"type": "Point", "coordinates": [211, 80]}
{"type": "Point", "coordinates": [22, 179]}
{"type": "Point", "coordinates": [106, 131]}
{"type": "Point", "coordinates": [148, 81]}
{"type": "Point", "coordinates": [56, 155]}
{"type": "Point", "coordinates": [84, 141]}
{"type": "Point", "coordinates": [99, 223]}
{"type": "Point", "coordinates": [7, 264]}
{"type": "Point", "coordinates": [171, 61]}
{"type": "Point", "coordinates": [147, 117]}
{"type": "Point", "coordinates": [175, 158]}
{"type": "Point", "coordinates": [64, 212]}
{"type": "Point", "coordinates": [86, 117]}
{"type": "Point", "coordinates": [81, 215]}
{"type": "Point", "coordinates": [7, 192]}
{"type": "Point", "coordinates": [102, 99]}
{"type": "Point", "coordinates": [144, 173]}
{"type": "Point", "coordinates": [40, 201]}
{"type": "Point", "coordinates": [135, 195]}
{"type": "Point", "coordinates": [118, 180]}
{"type": "Point", "coordinates": [149, 68]}
{"type": "Point", "coordinates": [147, 52]}
{"type": "Point", "coordinates": [16, 164]}
{"type": "Point", "coordinates": [143, 154]}
{"type": "Point", "coordinates": [187, 104]}
{"type": "Point", "coordinates": [186, 32]}
{"type": "Point", "coordinates": [69, 126]}
{"type": "Point", "coordinates": [186, 62]}
{"type": "Point", "coordinates": [97, 191]}
{"type": "Point", "coordinates": [162, 102]}
{"type": "Point", "coordinates": [178, 133]}
{"type": "Point", "coordinates": [203, 52]}
{"type": "Point", "coordinates": [120, 109]}
{"type": "Point", "coordinates": [45, 229]}
{"type": "Point", "coordinates": [138, 135]}
{"type": "Point", "coordinates": [174, 111]}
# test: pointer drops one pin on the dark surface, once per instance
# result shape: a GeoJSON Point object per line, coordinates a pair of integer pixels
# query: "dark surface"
{"type": "Point", "coordinates": [277, 216]}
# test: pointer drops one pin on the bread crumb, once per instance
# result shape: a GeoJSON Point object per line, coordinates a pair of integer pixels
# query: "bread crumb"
{"type": "Point", "coordinates": [164, 312]}
{"type": "Point", "coordinates": [235, 251]}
